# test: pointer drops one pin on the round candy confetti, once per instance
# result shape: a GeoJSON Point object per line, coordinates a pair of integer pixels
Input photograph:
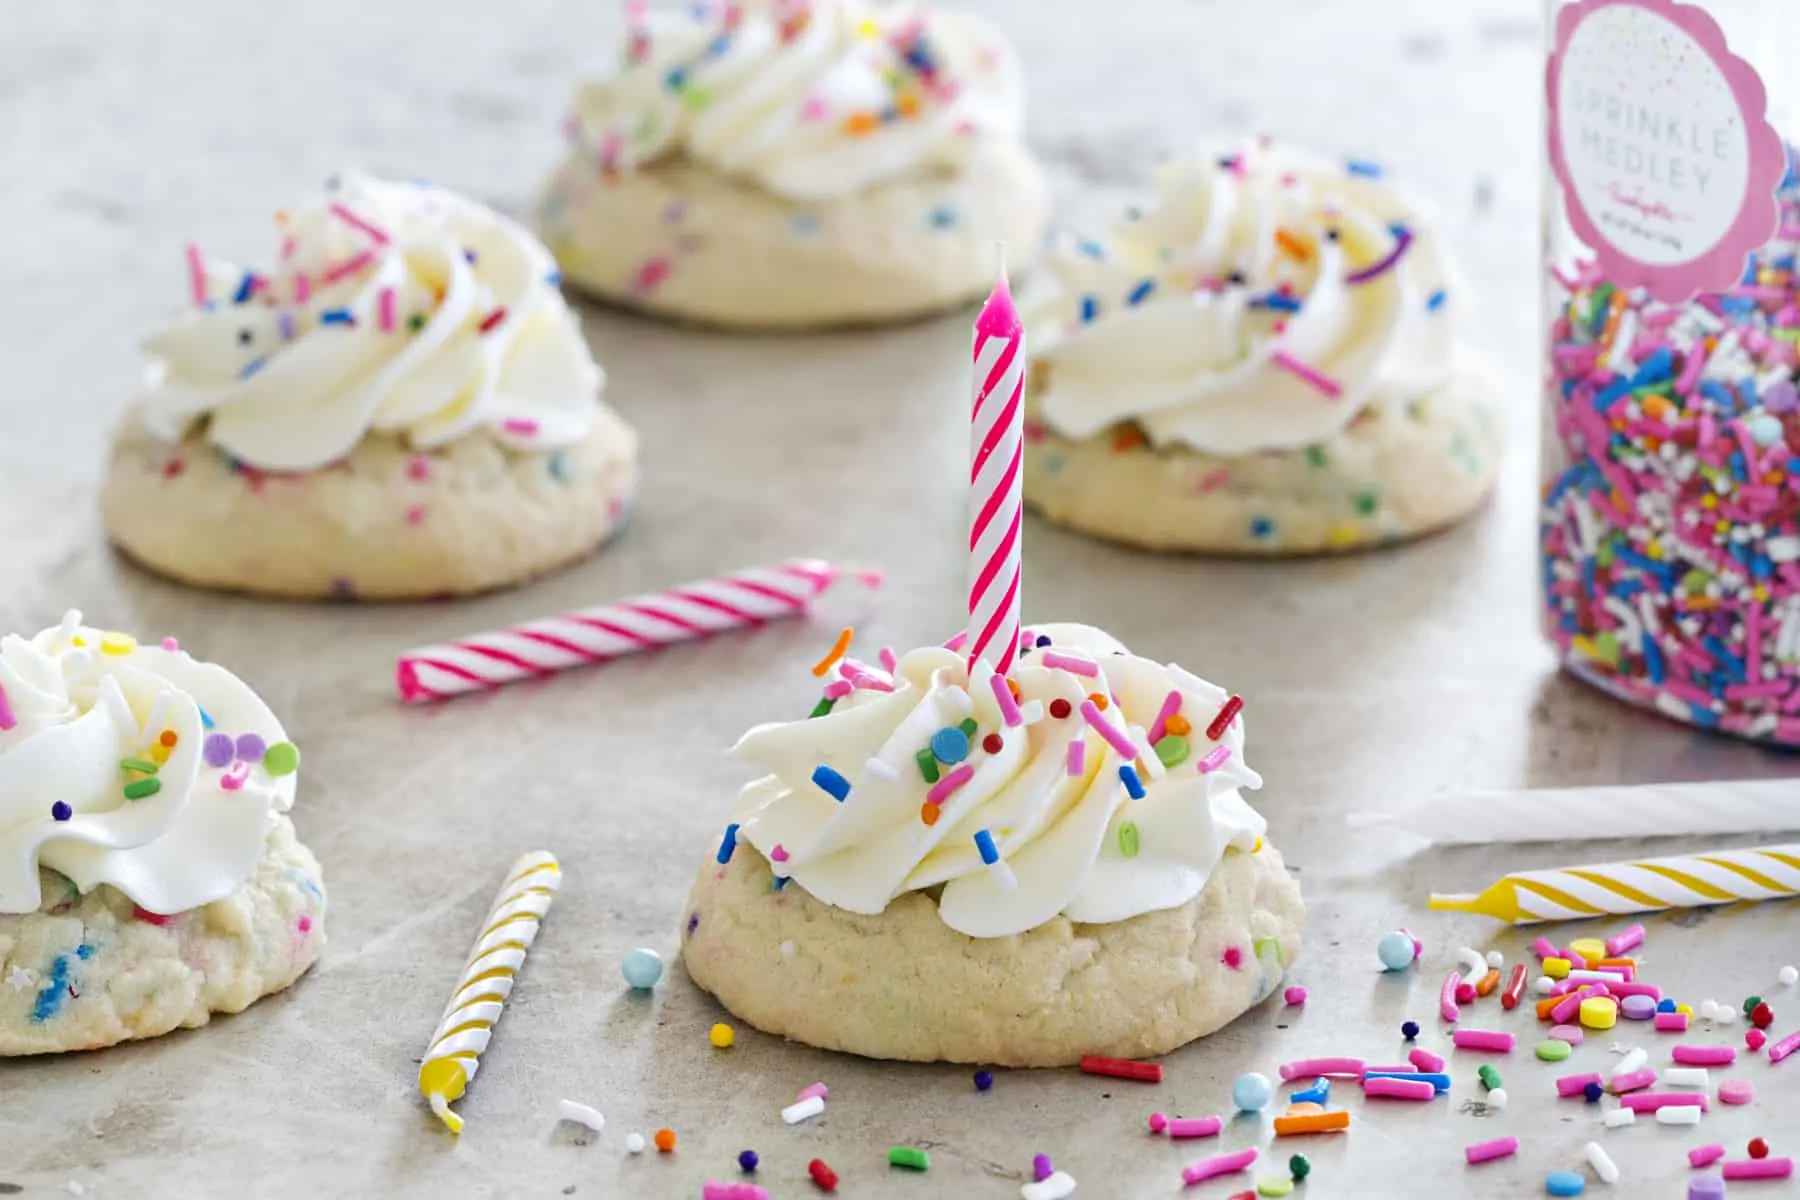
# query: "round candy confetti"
{"type": "Point", "coordinates": [1395, 951]}
{"type": "Point", "coordinates": [642, 968]}
{"type": "Point", "coordinates": [984, 1080]}
{"type": "Point", "coordinates": [950, 744]}
{"type": "Point", "coordinates": [1750, 1003]}
{"type": "Point", "coordinates": [1592, 1093]}
{"type": "Point", "coordinates": [218, 750]}
{"type": "Point", "coordinates": [1637, 1008]}
{"type": "Point", "coordinates": [634, 1143]}
{"type": "Point", "coordinates": [1564, 1183]}
{"type": "Point", "coordinates": [747, 1161]}
{"type": "Point", "coordinates": [1589, 948]}
{"type": "Point", "coordinates": [283, 758]}
{"type": "Point", "coordinates": [1599, 1012]}
{"type": "Point", "coordinates": [1665, 1005]}
{"type": "Point", "coordinates": [1497, 1098]}
{"type": "Point", "coordinates": [721, 1036]}
{"type": "Point", "coordinates": [60, 811]}
{"type": "Point", "coordinates": [665, 1140]}
{"type": "Point", "coordinates": [1158, 1122]}
{"type": "Point", "coordinates": [1755, 1038]}
{"type": "Point", "coordinates": [1757, 1148]}
{"type": "Point", "coordinates": [251, 747]}
{"type": "Point", "coordinates": [1553, 1051]}
{"type": "Point", "coordinates": [1299, 1168]}
{"type": "Point", "coordinates": [1409, 1030]}
{"type": "Point", "coordinates": [1736, 1091]}
{"type": "Point", "coordinates": [1789, 976]}
{"type": "Point", "coordinates": [1294, 997]}
{"type": "Point", "coordinates": [1251, 1092]}
{"type": "Point", "coordinates": [1762, 1016]}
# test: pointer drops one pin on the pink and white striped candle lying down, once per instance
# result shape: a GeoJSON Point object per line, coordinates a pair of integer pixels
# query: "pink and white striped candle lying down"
{"type": "Point", "coordinates": [742, 600]}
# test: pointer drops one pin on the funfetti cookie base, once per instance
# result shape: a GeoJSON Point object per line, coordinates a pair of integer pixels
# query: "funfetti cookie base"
{"type": "Point", "coordinates": [903, 985]}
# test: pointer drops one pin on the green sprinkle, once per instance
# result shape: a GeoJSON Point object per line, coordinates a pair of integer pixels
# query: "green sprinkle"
{"type": "Point", "coordinates": [1490, 1078]}
{"type": "Point", "coordinates": [907, 1156]}
{"type": "Point", "coordinates": [137, 789]}
{"type": "Point", "coordinates": [283, 758]}
{"type": "Point", "coordinates": [1750, 1003]}
{"type": "Point", "coordinates": [416, 322]}
{"type": "Point", "coordinates": [1608, 646]}
{"type": "Point", "coordinates": [968, 727]}
{"type": "Point", "coordinates": [1128, 839]}
{"type": "Point", "coordinates": [927, 764]}
{"type": "Point", "coordinates": [1275, 1185]}
{"type": "Point", "coordinates": [1553, 1051]}
{"type": "Point", "coordinates": [697, 98]}
{"type": "Point", "coordinates": [141, 766]}
{"type": "Point", "coordinates": [1365, 503]}
{"type": "Point", "coordinates": [821, 708]}
{"type": "Point", "coordinates": [1173, 750]}
{"type": "Point", "coordinates": [1315, 455]}
{"type": "Point", "coordinates": [1299, 1168]}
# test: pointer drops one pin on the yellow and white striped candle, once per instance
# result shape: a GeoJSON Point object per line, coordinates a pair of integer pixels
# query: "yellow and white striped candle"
{"type": "Point", "coordinates": [468, 1021]}
{"type": "Point", "coordinates": [1686, 881]}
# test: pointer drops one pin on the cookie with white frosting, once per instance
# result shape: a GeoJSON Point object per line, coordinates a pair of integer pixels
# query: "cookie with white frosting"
{"type": "Point", "coordinates": [929, 872]}
{"type": "Point", "coordinates": [149, 872]}
{"type": "Point", "coordinates": [797, 164]}
{"type": "Point", "coordinates": [1266, 360]}
{"type": "Point", "coordinates": [402, 406]}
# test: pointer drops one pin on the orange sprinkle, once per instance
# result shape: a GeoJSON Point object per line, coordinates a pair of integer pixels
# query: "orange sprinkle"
{"type": "Point", "coordinates": [837, 651]}
{"type": "Point", "coordinates": [1545, 1005]}
{"type": "Point", "coordinates": [1099, 699]}
{"type": "Point", "coordinates": [1701, 603]}
{"type": "Point", "coordinates": [1613, 962]}
{"type": "Point", "coordinates": [1304, 1108]}
{"type": "Point", "coordinates": [665, 1140]}
{"type": "Point", "coordinates": [1012, 685]}
{"type": "Point", "coordinates": [1657, 406]}
{"type": "Point", "coordinates": [1178, 725]}
{"type": "Point", "coordinates": [1293, 246]}
{"type": "Point", "coordinates": [908, 104]}
{"type": "Point", "coordinates": [1325, 1122]}
{"type": "Point", "coordinates": [1612, 318]}
{"type": "Point", "coordinates": [1487, 983]}
{"type": "Point", "coordinates": [1126, 437]}
{"type": "Point", "coordinates": [929, 813]}
{"type": "Point", "coordinates": [169, 737]}
{"type": "Point", "coordinates": [858, 124]}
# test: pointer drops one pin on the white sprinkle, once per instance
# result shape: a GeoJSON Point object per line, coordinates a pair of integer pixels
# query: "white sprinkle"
{"type": "Point", "coordinates": [1497, 1098]}
{"type": "Point", "coordinates": [1474, 963]}
{"type": "Point", "coordinates": [787, 949]}
{"type": "Point", "coordinates": [634, 1143]}
{"type": "Point", "coordinates": [1634, 1060]}
{"type": "Point", "coordinates": [956, 702]}
{"type": "Point", "coordinates": [881, 770]}
{"type": "Point", "coordinates": [1031, 712]}
{"type": "Point", "coordinates": [1678, 1114]}
{"type": "Point", "coordinates": [805, 1110]}
{"type": "Point", "coordinates": [1616, 1117]}
{"type": "Point", "coordinates": [1685, 1077]}
{"type": "Point", "coordinates": [1788, 975]}
{"type": "Point", "coordinates": [1709, 1009]}
{"type": "Point", "coordinates": [1056, 1186]}
{"type": "Point", "coordinates": [1544, 985]}
{"type": "Point", "coordinates": [1495, 960]}
{"type": "Point", "coordinates": [581, 1114]}
{"type": "Point", "coordinates": [1602, 1162]}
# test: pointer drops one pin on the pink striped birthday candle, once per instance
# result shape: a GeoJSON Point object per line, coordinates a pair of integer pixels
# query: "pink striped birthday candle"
{"type": "Point", "coordinates": [997, 453]}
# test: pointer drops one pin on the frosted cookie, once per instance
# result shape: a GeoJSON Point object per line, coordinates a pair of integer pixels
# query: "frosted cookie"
{"type": "Point", "coordinates": [1265, 361]}
{"type": "Point", "coordinates": [149, 874]}
{"type": "Point", "coordinates": [927, 872]}
{"type": "Point", "coordinates": [402, 407]}
{"type": "Point", "coordinates": [785, 164]}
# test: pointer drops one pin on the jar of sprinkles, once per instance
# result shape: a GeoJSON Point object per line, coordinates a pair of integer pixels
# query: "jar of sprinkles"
{"type": "Point", "coordinates": [1670, 527]}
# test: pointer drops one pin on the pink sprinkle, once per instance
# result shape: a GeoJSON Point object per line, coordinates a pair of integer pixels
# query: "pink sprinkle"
{"type": "Point", "coordinates": [302, 288]}
{"type": "Point", "coordinates": [1170, 706]}
{"type": "Point", "coordinates": [168, 643]}
{"type": "Point", "coordinates": [1331, 1068]}
{"type": "Point", "coordinates": [419, 467]}
{"type": "Point", "coordinates": [837, 689]}
{"type": "Point", "coordinates": [385, 310]}
{"type": "Point", "coordinates": [1568, 1033]}
{"type": "Point", "coordinates": [1009, 708]}
{"type": "Point", "coordinates": [1322, 382]}
{"type": "Point", "coordinates": [1425, 1060]}
{"type": "Point", "coordinates": [1705, 1156]}
{"type": "Point", "coordinates": [1575, 1085]}
{"type": "Point", "coordinates": [1221, 1164]}
{"type": "Point", "coordinates": [1077, 757]}
{"type": "Point", "coordinates": [305, 923]}
{"type": "Point", "coordinates": [1233, 958]}
{"type": "Point", "coordinates": [1757, 1168]}
{"type": "Point", "coordinates": [7, 719]}
{"type": "Point", "coordinates": [813, 110]}
{"type": "Point", "coordinates": [1576, 962]}
{"type": "Point", "coordinates": [1294, 997]}
{"type": "Point", "coordinates": [347, 268]}
{"type": "Point", "coordinates": [1633, 988]}
{"type": "Point", "coordinates": [196, 275]}
{"type": "Point", "coordinates": [1389, 1088]}
{"type": "Point", "coordinates": [1213, 480]}
{"type": "Point", "coordinates": [1158, 1123]}
{"type": "Point", "coordinates": [1056, 660]}
{"type": "Point", "coordinates": [651, 274]}
{"type": "Point", "coordinates": [811, 1090]}
{"type": "Point", "coordinates": [1484, 1039]}
{"type": "Point", "coordinates": [148, 917]}
{"type": "Point", "coordinates": [1704, 1056]}
{"type": "Point", "coordinates": [1544, 948]}
{"type": "Point", "coordinates": [1465, 992]}
{"type": "Point", "coordinates": [1482, 1152]}
{"type": "Point", "coordinates": [1672, 1022]}
{"type": "Point", "coordinates": [1213, 759]}
{"type": "Point", "coordinates": [1625, 940]}
{"type": "Point", "coordinates": [1106, 729]}
{"type": "Point", "coordinates": [234, 779]}
{"type": "Point", "coordinates": [1651, 1101]}
{"type": "Point", "coordinates": [1737, 1091]}
{"type": "Point", "coordinates": [941, 790]}
{"type": "Point", "coordinates": [1571, 1003]}
{"type": "Point", "coordinates": [1755, 1039]}
{"type": "Point", "coordinates": [415, 514]}
{"type": "Point", "coordinates": [523, 426]}
{"type": "Point", "coordinates": [890, 662]}
{"type": "Point", "coordinates": [349, 218]}
{"type": "Point", "coordinates": [958, 642]}
{"type": "Point", "coordinates": [1447, 997]}
{"type": "Point", "coordinates": [779, 853]}
{"type": "Point", "coordinates": [1784, 1047]}
{"type": "Point", "coordinates": [1195, 1127]}
{"type": "Point", "coordinates": [1631, 1081]}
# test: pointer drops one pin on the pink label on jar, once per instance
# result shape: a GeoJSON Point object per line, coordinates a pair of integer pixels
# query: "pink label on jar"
{"type": "Point", "coordinates": [1658, 137]}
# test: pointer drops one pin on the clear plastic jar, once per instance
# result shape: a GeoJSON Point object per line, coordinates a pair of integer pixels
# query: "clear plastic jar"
{"type": "Point", "coordinates": [1670, 531]}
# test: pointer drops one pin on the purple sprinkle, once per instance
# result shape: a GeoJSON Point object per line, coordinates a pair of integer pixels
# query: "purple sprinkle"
{"type": "Point", "coordinates": [693, 923]}
{"type": "Point", "coordinates": [1041, 1167]}
{"type": "Point", "coordinates": [1781, 397]}
{"type": "Point", "coordinates": [61, 810]}
{"type": "Point", "coordinates": [251, 747]}
{"type": "Point", "coordinates": [218, 750]}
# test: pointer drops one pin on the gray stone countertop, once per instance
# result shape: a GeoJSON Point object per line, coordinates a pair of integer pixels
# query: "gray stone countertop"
{"type": "Point", "coordinates": [1371, 682]}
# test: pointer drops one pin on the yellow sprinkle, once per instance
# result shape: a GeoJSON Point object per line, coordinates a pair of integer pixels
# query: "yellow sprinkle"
{"type": "Point", "coordinates": [1257, 849]}
{"type": "Point", "coordinates": [117, 643]}
{"type": "Point", "coordinates": [1592, 949]}
{"type": "Point", "coordinates": [1709, 501]}
{"type": "Point", "coordinates": [1342, 535]}
{"type": "Point", "coordinates": [78, 640]}
{"type": "Point", "coordinates": [159, 753]}
{"type": "Point", "coordinates": [721, 1036]}
{"type": "Point", "coordinates": [868, 29]}
{"type": "Point", "coordinates": [1654, 549]}
{"type": "Point", "coordinates": [1686, 1010]}
{"type": "Point", "coordinates": [1557, 968]}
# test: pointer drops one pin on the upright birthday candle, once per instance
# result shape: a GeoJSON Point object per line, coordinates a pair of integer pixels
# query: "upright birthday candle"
{"type": "Point", "coordinates": [468, 1021]}
{"type": "Point", "coordinates": [995, 500]}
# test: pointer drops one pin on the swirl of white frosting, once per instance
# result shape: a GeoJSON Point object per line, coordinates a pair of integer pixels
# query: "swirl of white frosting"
{"type": "Point", "coordinates": [1265, 299]}
{"type": "Point", "coordinates": [83, 714]}
{"type": "Point", "coordinates": [396, 308]}
{"type": "Point", "coordinates": [1070, 841]}
{"type": "Point", "coordinates": [809, 99]}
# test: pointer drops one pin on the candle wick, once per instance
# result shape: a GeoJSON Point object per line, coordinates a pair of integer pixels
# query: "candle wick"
{"type": "Point", "coordinates": [441, 1107]}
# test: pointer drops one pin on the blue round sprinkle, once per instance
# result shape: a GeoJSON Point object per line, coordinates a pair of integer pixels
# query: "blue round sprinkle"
{"type": "Point", "coordinates": [1564, 1183]}
{"type": "Point", "coordinates": [950, 744]}
{"type": "Point", "coordinates": [1043, 640]}
{"type": "Point", "coordinates": [61, 811]}
{"type": "Point", "coordinates": [1252, 1092]}
{"type": "Point", "coordinates": [642, 968]}
{"type": "Point", "coordinates": [748, 1160]}
{"type": "Point", "coordinates": [984, 1080]}
{"type": "Point", "coordinates": [1409, 1030]}
{"type": "Point", "coordinates": [1593, 1092]}
{"type": "Point", "coordinates": [1395, 950]}
{"type": "Point", "coordinates": [1665, 1005]}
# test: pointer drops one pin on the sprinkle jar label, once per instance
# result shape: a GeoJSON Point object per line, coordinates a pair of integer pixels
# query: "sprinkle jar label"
{"type": "Point", "coordinates": [1657, 137]}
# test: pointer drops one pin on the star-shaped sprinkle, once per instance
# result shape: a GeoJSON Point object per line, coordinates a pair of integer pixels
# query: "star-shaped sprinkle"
{"type": "Point", "coordinates": [19, 978]}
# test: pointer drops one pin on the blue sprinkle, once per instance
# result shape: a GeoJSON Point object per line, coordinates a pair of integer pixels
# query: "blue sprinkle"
{"type": "Point", "coordinates": [1439, 1081]}
{"type": "Point", "coordinates": [984, 845]}
{"type": "Point", "coordinates": [206, 721]}
{"type": "Point", "coordinates": [554, 279]}
{"type": "Point", "coordinates": [50, 998]}
{"type": "Point", "coordinates": [253, 366]}
{"type": "Point", "coordinates": [721, 46]}
{"type": "Point", "coordinates": [1665, 1005]}
{"type": "Point", "coordinates": [729, 845]}
{"type": "Point", "coordinates": [781, 881]}
{"type": "Point", "coordinates": [84, 952]}
{"type": "Point", "coordinates": [1261, 527]}
{"type": "Point", "coordinates": [943, 218]}
{"type": "Point", "coordinates": [337, 316]}
{"type": "Point", "coordinates": [1141, 292]}
{"type": "Point", "coordinates": [559, 470]}
{"type": "Point", "coordinates": [675, 79]}
{"type": "Point", "coordinates": [245, 288]}
{"type": "Point", "coordinates": [1043, 640]}
{"type": "Point", "coordinates": [1133, 785]}
{"type": "Point", "coordinates": [1090, 308]}
{"type": "Point", "coordinates": [1364, 168]}
{"type": "Point", "coordinates": [1658, 367]}
{"type": "Point", "coordinates": [1092, 249]}
{"type": "Point", "coordinates": [1318, 1093]}
{"type": "Point", "coordinates": [830, 782]}
{"type": "Point", "coordinates": [1436, 300]}
{"type": "Point", "coordinates": [1653, 662]}
{"type": "Point", "coordinates": [950, 744]}
{"type": "Point", "coordinates": [1278, 302]}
